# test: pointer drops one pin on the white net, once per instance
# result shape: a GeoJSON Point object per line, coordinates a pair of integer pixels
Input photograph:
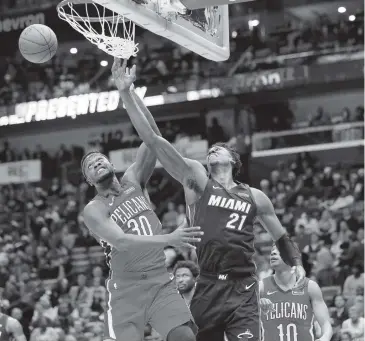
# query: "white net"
{"type": "Point", "coordinates": [92, 21]}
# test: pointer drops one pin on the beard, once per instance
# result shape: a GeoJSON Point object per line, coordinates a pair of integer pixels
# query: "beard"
{"type": "Point", "coordinates": [105, 177]}
{"type": "Point", "coordinates": [186, 288]}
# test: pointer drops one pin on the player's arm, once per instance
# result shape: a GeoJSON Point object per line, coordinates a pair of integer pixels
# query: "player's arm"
{"type": "Point", "coordinates": [320, 310]}
{"type": "Point", "coordinates": [141, 170]}
{"type": "Point", "coordinates": [97, 220]}
{"type": "Point", "coordinates": [267, 217]}
{"type": "Point", "coordinates": [189, 173]}
{"type": "Point", "coordinates": [16, 330]}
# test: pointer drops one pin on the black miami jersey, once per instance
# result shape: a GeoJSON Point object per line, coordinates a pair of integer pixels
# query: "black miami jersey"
{"type": "Point", "coordinates": [226, 217]}
{"type": "Point", "coordinates": [292, 317]}
{"type": "Point", "coordinates": [133, 213]}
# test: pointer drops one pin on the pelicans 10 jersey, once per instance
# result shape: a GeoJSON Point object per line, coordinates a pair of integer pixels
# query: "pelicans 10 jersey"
{"type": "Point", "coordinates": [292, 317]}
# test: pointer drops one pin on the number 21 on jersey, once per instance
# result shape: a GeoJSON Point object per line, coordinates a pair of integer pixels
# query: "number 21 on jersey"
{"type": "Point", "coordinates": [236, 221]}
{"type": "Point", "coordinates": [140, 225]}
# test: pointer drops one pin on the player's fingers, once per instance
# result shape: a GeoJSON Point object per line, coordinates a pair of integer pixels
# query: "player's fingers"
{"type": "Point", "coordinates": [188, 245]}
{"type": "Point", "coordinates": [192, 228]}
{"type": "Point", "coordinates": [124, 65]}
{"type": "Point", "coordinates": [190, 239]}
{"type": "Point", "coordinates": [193, 234]}
{"type": "Point", "coordinates": [133, 70]}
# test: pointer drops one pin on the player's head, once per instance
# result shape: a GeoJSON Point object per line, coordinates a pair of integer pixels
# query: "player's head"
{"type": "Point", "coordinates": [223, 154]}
{"type": "Point", "coordinates": [186, 274]}
{"type": "Point", "coordinates": [276, 262]}
{"type": "Point", "coordinates": [96, 168]}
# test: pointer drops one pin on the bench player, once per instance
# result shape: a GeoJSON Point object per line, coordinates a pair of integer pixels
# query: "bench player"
{"type": "Point", "coordinates": [139, 287]}
{"type": "Point", "coordinates": [225, 299]}
{"type": "Point", "coordinates": [288, 313]}
{"type": "Point", "coordinates": [10, 329]}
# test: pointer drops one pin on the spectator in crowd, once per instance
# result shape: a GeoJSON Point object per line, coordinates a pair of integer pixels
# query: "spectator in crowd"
{"type": "Point", "coordinates": [339, 311]}
{"type": "Point", "coordinates": [353, 282]}
{"type": "Point", "coordinates": [215, 132]}
{"type": "Point", "coordinates": [354, 325]}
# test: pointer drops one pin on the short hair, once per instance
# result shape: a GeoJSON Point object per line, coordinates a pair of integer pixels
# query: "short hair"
{"type": "Point", "coordinates": [237, 164]}
{"type": "Point", "coordinates": [194, 269]}
{"type": "Point", "coordinates": [86, 156]}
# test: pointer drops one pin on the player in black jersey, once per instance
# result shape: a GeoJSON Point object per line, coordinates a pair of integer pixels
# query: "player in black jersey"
{"type": "Point", "coordinates": [10, 329]}
{"type": "Point", "coordinates": [225, 299]}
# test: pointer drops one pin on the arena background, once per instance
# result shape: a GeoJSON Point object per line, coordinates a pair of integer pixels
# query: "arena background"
{"type": "Point", "coordinates": [290, 98]}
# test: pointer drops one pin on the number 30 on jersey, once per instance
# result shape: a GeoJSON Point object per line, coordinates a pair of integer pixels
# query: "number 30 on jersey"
{"type": "Point", "coordinates": [140, 225]}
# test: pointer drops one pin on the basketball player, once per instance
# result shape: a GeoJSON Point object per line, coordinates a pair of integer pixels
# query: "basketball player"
{"type": "Point", "coordinates": [225, 299]}
{"type": "Point", "coordinates": [288, 313]}
{"type": "Point", "coordinates": [10, 329]}
{"type": "Point", "coordinates": [140, 290]}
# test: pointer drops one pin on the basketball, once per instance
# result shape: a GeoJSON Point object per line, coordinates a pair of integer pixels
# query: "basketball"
{"type": "Point", "coordinates": [38, 43]}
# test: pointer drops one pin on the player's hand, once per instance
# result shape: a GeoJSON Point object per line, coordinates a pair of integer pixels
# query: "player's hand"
{"type": "Point", "coordinates": [266, 305]}
{"type": "Point", "coordinates": [299, 272]}
{"type": "Point", "coordinates": [185, 235]}
{"type": "Point", "coordinates": [123, 76]}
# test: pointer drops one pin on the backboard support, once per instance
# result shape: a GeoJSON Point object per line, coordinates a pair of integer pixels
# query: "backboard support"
{"type": "Point", "coordinates": [203, 31]}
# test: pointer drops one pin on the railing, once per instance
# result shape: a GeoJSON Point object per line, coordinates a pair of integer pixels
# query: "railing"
{"type": "Point", "coordinates": [313, 138]}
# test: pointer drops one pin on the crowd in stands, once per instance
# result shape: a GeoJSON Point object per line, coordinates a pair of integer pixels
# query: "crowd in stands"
{"type": "Point", "coordinates": [68, 74]}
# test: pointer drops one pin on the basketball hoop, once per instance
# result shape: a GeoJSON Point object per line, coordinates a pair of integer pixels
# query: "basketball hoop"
{"type": "Point", "coordinates": [99, 28]}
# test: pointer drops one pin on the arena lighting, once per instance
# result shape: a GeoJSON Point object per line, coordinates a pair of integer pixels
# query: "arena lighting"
{"type": "Point", "coordinates": [352, 17]}
{"type": "Point", "coordinates": [234, 34]}
{"type": "Point", "coordinates": [341, 9]}
{"type": "Point", "coordinates": [172, 89]}
{"type": "Point", "coordinates": [73, 50]}
{"type": "Point", "coordinates": [104, 63]}
{"type": "Point", "coordinates": [253, 23]}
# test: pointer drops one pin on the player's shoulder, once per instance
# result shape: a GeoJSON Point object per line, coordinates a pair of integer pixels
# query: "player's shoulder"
{"type": "Point", "coordinates": [261, 200]}
{"type": "Point", "coordinates": [313, 288]}
{"type": "Point", "coordinates": [94, 209]}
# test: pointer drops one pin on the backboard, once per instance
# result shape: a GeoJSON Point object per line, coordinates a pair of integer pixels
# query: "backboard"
{"type": "Point", "coordinates": [203, 31]}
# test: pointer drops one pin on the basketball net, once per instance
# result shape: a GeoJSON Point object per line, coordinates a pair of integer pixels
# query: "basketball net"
{"type": "Point", "coordinates": [100, 30]}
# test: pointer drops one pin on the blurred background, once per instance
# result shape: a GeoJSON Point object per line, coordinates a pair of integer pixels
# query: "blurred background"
{"type": "Point", "coordinates": [290, 99]}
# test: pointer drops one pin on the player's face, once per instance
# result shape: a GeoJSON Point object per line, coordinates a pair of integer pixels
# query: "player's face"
{"type": "Point", "coordinates": [218, 155]}
{"type": "Point", "coordinates": [184, 280]}
{"type": "Point", "coordinates": [275, 259]}
{"type": "Point", "coordinates": [97, 168]}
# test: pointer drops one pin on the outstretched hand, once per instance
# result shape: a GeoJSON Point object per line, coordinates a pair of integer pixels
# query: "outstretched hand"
{"type": "Point", "coordinates": [123, 76]}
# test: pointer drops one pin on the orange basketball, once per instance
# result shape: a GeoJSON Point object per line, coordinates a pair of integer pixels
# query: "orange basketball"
{"type": "Point", "coordinates": [38, 43]}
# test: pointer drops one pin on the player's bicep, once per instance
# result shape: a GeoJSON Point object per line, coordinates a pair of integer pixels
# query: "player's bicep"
{"type": "Point", "coordinates": [266, 215]}
{"type": "Point", "coordinates": [320, 309]}
{"type": "Point", "coordinates": [99, 223]}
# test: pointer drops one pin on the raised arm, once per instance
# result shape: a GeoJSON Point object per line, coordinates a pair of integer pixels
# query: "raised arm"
{"type": "Point", "coordinates": [16, 330]}
{"type": "Point", "coordinates": [189, 173]}
{"type": "Point", "coordinates": [320, 311]}
{"type": "Point", "coordinates": [141, 170]}
{"type": "Point", "coordinates": [97, 220]}
{"type": "Point", "coordinates": [289, 251]}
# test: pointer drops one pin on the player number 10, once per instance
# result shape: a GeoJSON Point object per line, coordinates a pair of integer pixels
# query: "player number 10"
{"type": "Point", "coordinates": [236, 221]}
{"type": "Point", "coordinates": [291, 332]}
{"type": "Point", "coordinates": [141, 226]}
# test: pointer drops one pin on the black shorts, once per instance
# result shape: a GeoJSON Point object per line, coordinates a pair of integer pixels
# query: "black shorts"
{"type": "Point", "coordinates": [227, 307]}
